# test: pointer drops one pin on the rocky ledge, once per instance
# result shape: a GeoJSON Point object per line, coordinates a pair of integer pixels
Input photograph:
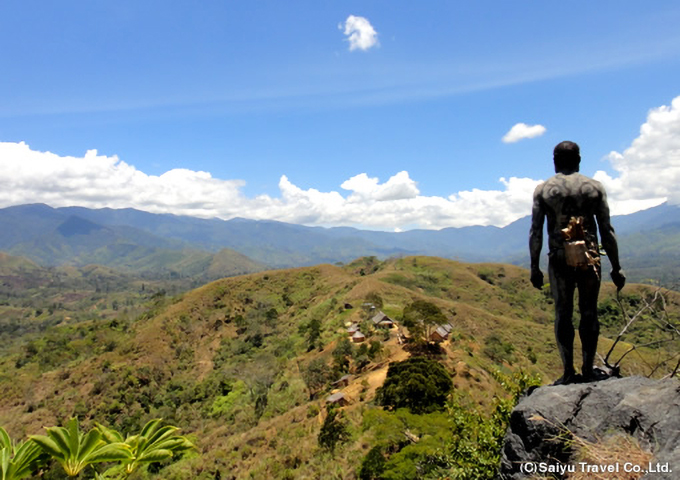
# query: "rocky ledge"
{"type": "Point", "coordinates": [550, 424]}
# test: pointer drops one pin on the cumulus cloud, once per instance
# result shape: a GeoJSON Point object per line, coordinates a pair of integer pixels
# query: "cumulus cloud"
{"type": "Point", "coordinates": [398, 187]}
{"type": "Point", "coordinates": [647, 173]}
{"type": "Point", "coordinates": [360, 33]}
{"type": "Point", "coordinates": [648, 170]}
{"type": "Point", "coordinates": [97, 181]}
{"type": "Point", "coordinates": [521, 131]}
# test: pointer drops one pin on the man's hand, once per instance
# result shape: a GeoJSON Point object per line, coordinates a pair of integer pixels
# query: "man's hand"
{"type": "Point", "coordinates": [618, 278]}
{"type": "Point", "coordinates": [537, 278]}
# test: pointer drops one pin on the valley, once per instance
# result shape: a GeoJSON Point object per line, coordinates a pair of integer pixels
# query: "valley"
{"type": "Point", "coordinates": [245, 365]}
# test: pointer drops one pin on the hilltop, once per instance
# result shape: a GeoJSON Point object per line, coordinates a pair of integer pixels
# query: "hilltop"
{"type": "Point", "coordinates": [245, 364]}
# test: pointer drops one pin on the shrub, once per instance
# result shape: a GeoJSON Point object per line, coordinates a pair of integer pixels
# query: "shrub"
{"type": "Point", "coordinates": [419, 384]}
{"type": "Point", "coordinates": [333, 431]}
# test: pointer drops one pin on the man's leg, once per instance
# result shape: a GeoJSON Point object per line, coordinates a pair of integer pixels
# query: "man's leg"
{"type": "Point", "coordinates": [589, 326]}
{"type": "Point", "coordinates": [562, 286]}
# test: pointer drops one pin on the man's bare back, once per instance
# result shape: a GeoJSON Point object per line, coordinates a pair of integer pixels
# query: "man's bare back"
{"type": "Point", "coordinates": [573, 204]}
{"type": "Point", "coordinates": [566, 196]}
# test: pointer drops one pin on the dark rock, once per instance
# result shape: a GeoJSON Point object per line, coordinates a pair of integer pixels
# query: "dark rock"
{"type": "Point", "coordinates": [541, 424]}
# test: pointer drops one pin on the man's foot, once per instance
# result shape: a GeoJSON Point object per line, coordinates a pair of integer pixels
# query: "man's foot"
{"type": "Point", "coordinates": [567, 379]}
{"type": "Point", "coordinates": [594, 375]}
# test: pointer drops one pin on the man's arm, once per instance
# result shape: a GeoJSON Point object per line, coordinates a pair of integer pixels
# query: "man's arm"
{"type": "Point", "coordinates": [609, 243]}
{"type": "Point", "coordinates": [536, 238]}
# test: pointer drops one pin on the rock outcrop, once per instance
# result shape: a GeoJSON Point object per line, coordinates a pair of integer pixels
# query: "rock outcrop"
{"type": "Point", "coordinates": [544, 424]}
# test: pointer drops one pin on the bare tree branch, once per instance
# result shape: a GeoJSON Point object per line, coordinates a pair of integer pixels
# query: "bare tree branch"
{"type": "Point", "coordinates": [654, 309]}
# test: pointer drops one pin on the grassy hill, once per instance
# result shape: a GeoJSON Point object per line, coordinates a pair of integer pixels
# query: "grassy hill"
{"type": "Point", "coordinates": [245, 364]}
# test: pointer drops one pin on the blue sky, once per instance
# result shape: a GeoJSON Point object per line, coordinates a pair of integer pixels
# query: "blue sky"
{"type": "Point", "coordinates": [269, 109]}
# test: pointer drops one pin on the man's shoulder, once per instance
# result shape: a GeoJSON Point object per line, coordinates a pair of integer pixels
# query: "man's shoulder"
{"type": "Point", "coordinates": [584, 179]}
{"type": "Point", "coordinates": [570, 180]}
{"type": "Point", "coordinates": [590, 186]}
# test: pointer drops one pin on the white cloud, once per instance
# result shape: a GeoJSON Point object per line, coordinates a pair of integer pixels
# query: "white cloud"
{"type": "Point", "coordinates": [97, 181]}
{"type": "Point", "coordinates": [648, 174]}
{"type": "Point", "coordinates": [398, 187]}
{"type": "Point", "coordinates": [360, 33]}
{"type": "Point", "coordinates": [521, 131]}
{"type": "Point", "coordinates": [648, 170]}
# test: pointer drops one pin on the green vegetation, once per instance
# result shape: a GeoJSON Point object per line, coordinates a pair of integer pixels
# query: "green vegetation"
{"type": "Point", "coordinates": [333, 431]}
{"type": "Point", "coordinates": [421, 317]}
{"type": "Point", "coordinates": [419, 384]}
{"type": "Point", "coordinates": [20, 460]}
{"type": "Point", "coordinates": [463, 441]}
{"type": "Point", "coordinates": [245, 365]}
{"type": "Point", "coordinates": [74, 451]}
{"type": "Point", "coordinates": [474, 450]}
{"type": "Point", "coordinates": [154, 443]}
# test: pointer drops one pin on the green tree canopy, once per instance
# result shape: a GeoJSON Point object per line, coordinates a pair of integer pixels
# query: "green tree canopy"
{"type": "Point", "coordinates": [420, 317]}
{"type": "Point", "coordinates": [316, 374]}
{"type": "Point", "coordinates": [418, 383]}
{"type": "Point", "coordinates": [333, 431]}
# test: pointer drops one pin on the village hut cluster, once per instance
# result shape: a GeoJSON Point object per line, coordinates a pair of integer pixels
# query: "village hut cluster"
{"type": "Point", "coordinates": [381, 321]}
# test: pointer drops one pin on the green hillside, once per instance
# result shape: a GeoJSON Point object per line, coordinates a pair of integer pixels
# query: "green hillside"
{"type": "Point", "coordinates": [244, 366]}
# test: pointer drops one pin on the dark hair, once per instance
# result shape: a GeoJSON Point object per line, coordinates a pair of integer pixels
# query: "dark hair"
{"type": "Point", "coordinates": [567, 156]}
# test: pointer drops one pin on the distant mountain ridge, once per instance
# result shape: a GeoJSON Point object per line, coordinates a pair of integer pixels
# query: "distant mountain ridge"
{"type": "Point", "coordinates": [76, 235]}
{"type": "Point", "coordinates": [54, 237]}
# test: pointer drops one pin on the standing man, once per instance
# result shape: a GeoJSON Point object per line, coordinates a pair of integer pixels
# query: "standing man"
{"type": "Point", "coordinates": [572, 202]}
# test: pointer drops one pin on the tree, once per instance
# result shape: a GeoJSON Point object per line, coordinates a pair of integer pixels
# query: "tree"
{"type": "Point", "coordinates": [18, 461]}
{"type": "Point", "coordinates": [418, 383]}
{"type": "Point", "coordinates": [316, 375]}
{"type": "Point", "coordinates": [259, 375]}
{"type": "Point", "coordinates": [75, 451]}
{"type": "Point", "coordinates": [313, 333]}
{"type": "Point", "coordinates": [420, 317]}
{"type": "Point", "coordinates": [474, 450]}
{"type": "Point", "coordinates": [341, 356]}
{"type": "Point", "coordinates": [333, 431]}
{"type": "Point", "coordinates": [374, 298]}
{"type": "Point", "coordinates": [373, 464]}
{"type": "Point", "coordinates": [375, 349]}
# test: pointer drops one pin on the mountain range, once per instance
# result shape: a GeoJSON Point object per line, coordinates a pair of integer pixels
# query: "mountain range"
{"type": "Point", "coordinates": [134, 240]}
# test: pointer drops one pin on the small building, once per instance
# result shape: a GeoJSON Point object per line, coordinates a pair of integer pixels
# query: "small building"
{"type": "Point", "coordinates": [383, 321]}
{"type": "Point", "coordinates": [354, 328]}
{"type": "Point", "coordinates": [369, 307]}
{"type": "Point", "coordinates": [338, 398]}
{"type": "Point", "coordinates": [342, 382]}
{"type": "Point", "coordinates": [441, 333]}
{"type": "Point", "coordinates": [358, 337]}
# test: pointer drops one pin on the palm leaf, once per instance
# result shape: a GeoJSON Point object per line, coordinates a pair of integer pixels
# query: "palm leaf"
{"type": "Point", "coordinates": [112, 452]}
{"type": "Point", "coordinates": [18, 461]}
{"type": "Point", "coordinates": [157, 455]}
{"type": "Point", "coordinates": [109, 435]}
{"type": "Point", "coordinates": [154, 444]}
{"type": "Point", "coordinates": [159, 436]}
{"type": "Point", "coordinates": [26, 459]}
{"type": "Point", "coordinates": [49, 446]}
{"type": "Point", "coordinates": [150, 427]}
{"type": "Point", "coordinates": [89, 443]}
{"type": "Point", "coordinates": [73, 438]}
{"type": "Point", "coordinates": [60, 436]}
{"type": "Point", "coordinates": [4, 462]}
{"type": "Point", "coordinates": [5, 441]}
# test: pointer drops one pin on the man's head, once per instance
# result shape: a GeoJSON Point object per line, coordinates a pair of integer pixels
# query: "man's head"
{"type": "Point", "coordinates": [567, 157]}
